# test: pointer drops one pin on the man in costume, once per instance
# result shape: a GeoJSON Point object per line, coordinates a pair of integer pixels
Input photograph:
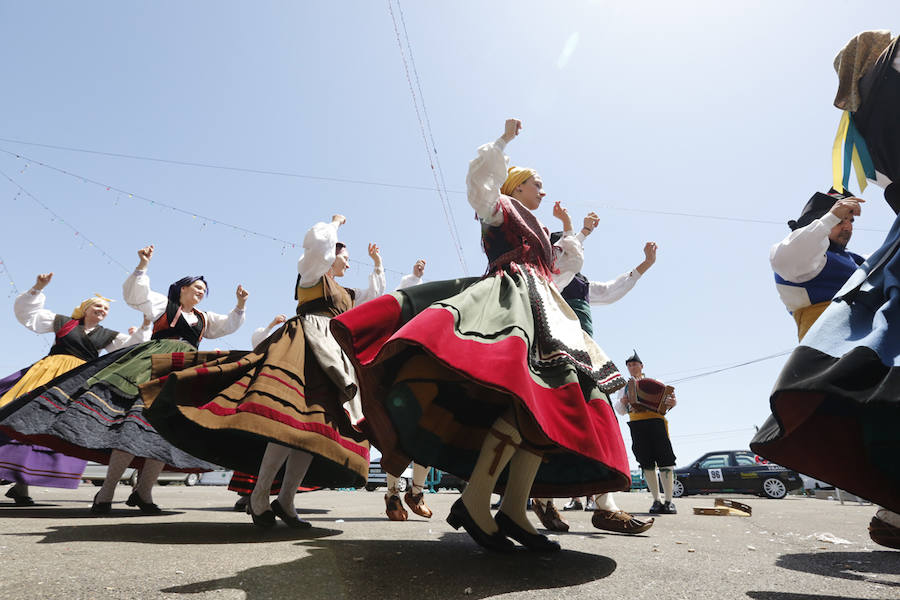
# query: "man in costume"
{"type": "Point", "coordinates": [580, 295]}
{"type": "Point", "coordinates": [649, 439]}
{"type": "Point", "coordinates": [836, 405]}
{"type": "Point", "coordinates": [812, 263]}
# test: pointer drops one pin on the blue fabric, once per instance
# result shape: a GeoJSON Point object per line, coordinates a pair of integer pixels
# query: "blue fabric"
{"type": "Point", "coordinates": [871, 302]}
{"type": "Point", "coordinates": [839, 267]}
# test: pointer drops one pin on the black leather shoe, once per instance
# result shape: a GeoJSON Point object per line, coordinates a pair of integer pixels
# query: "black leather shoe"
{"type": "Point", "coordinates": [148, 508]}
{"type": "Point", "coordinates": [242, 503]}
{"type": "Point", "coordinates": [459, 516]}
{"type": "Point", "coordinates": [657, 508]}
{"type": "Point", "coordinates": [533, 541]}
{"type": "Point", "coordinates": [263, 521]}
{"type": "Point", "coordinates": [289, 520]}
{"type": "Point", "coordinates": [669, 508]}
{"type": "Point", "coordinates": [100, 508]}
{"type": "Point", "coordinates": [19, 499]}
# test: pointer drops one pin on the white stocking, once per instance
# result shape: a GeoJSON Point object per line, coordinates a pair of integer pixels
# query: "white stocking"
{"type": "Point", "coordinates": [118, 462]}
{"type": "Point", "coordinates": [392, 487]}
{"type": "Point", "coordinates": [652, 483]}
{"type": "Point", "coordinates": [147, 476]}
{"type": "Point", "coordinates": [523, 468]}
{"type": "Point", "coordinates": [606, 502]}
{"type": "Point", "coordinates": [668, 482]}
{"type": "Point", "coordinates": [420, 474]}
{"type": "Point", "coordinates": [272, 460]}
{"type": "Point", "coordinates": [498, 447]}
{"type": "Point", "coordinates": [297, 464]}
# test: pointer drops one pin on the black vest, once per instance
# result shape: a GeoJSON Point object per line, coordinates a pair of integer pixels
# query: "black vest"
{"type": "Point", "coordinates": [192, 334]}
{"type": "Point", "coordinates": [72, 340]}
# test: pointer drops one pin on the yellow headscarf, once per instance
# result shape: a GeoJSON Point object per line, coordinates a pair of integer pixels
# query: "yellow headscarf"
{"type": "Point", "coordinates": [515, 176]}
{"type": "Point", "coordinates": [78, 313]}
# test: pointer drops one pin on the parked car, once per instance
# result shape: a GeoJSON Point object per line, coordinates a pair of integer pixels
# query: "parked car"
{"type": "Point", "coordinates": [637, 480]}
{"type": "Point", "coordinates": [378, 478]}
{"type": "Point", "coordinates": [95, 473]}
{"type": "Point", "coordinates": [738, 471]}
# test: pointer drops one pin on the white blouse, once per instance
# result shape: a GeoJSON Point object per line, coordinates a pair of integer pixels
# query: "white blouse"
{"type": "Point", "coordinates": [137, 293]}
{"type": "Point", "coordinates": [607, 292]}
{"type": "Point", "coordinates": [318, 256]}
{"type": "Point", "coordinates": [801, 255]}
{"type": "Point", "coordinates": [30, 312]}
{"type": "Point", "coordinates": [259, 335]}
{"type": "Point", "coordinates": [487, 172]}
{"type": "Point", "coordinates": [409, 281]}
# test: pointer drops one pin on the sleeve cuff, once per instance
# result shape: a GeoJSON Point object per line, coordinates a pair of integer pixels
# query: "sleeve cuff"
{"type": "Point", "coordinates": [830, 220]}
{"type": "Point", "coordinates": [500, 143]}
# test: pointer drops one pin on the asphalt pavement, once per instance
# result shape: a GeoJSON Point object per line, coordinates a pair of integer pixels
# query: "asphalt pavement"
{"type": "Point", "coordinates": [199, 549]}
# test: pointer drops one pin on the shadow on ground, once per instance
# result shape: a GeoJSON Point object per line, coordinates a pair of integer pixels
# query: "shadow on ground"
{"type": "Point", "coordinates": [447, 567]}
{"type": "Point", "coordinates": [790, 596]}
{"type": "Point", "coordinates": [155, 532]}
{"type": "Point", "coordinates": [869, 567]}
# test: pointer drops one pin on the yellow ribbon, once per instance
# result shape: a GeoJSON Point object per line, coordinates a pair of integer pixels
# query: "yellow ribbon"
{"type": "Point", "coordinates": [837, 167]}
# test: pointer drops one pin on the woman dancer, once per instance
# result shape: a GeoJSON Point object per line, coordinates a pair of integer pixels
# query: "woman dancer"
{"type": "Point", "coordinates": [96, 413]}
{"type": "Point", "coordinates": [500, 373]}
{"type": "Point", "coordinates": [293, 401]}
{"type": "Point", "coordinates": [79, 338]}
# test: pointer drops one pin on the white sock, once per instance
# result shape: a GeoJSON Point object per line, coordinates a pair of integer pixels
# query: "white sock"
{"type": "Point", "coordinates": [668, 481]}
{"type": "Point", "coordinates": [294, 471]}
{"type": "Point", "coordinates": [420, 474]}
{"type": "Point", "coordinates": [392, 487]}
{"type": "Point", "coordinates": [118, 462]}
{"type": "Point", "coordinates": [523, 467]}
{"type": "Point", "coordinates": [652, 483]}
{"type": "Point", "coordinates": [272, 460]}
{"type": "Point", "coordinates": [147, 476]}
{"type": "Point", "coordinates": [606, 502]}
{"type": "Point", "coordinates": [495, 452]}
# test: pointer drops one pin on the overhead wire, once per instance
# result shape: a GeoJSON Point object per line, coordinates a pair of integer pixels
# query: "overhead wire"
{"type": "Point", "coordinates": [432, 156]}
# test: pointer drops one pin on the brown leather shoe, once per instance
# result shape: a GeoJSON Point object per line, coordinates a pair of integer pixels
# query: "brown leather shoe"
{"type": "Point", "coordinates": [416, 503]}
{"type": "Point", "coordinates": [884, 533]}
{"type": "Point", "coordinates": [394, 509]}
{"type": "Point", "coordinates": [619, 521]}
{"type": "Point", "coordinates": [549, 516]}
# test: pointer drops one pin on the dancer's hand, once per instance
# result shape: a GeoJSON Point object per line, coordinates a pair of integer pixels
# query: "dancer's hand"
{"type": "Point", "coordinates": [242, 295]}
{"type": "Point", "coordinates": [563, 215]}
{"type": "Point", "coordinates": [42, 280]}
{"type": "Point", "coordinates": [375, 254]}
{"type": "Point", "coordinates": [277, 321]}
{"type": "Point", "coordinates": [419, 268]}
{"type": "Point", "coordinates": [649, 257]}
{"type": "Point", "coordinates": [670, 400]}
{"type": "Point", "coordinates": [338, 220]}
{"type": "Point", "coordinates": [144, 256]}
{"type": "Point", "coordinates": [511, 130]}
{"type": "Point", "coordinates": [590, 223]}
{"type": "Point", "coordinates": [844, 209]}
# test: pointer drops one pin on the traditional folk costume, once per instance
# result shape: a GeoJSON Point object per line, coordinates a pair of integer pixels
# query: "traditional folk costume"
{"type": "Point", "coordinates": [809, 268]}
{"type": "Point", "coordinates": [292, 401]}
{"type": "Point", "coordinates": [29, 464]}
{"type": "Point", "coordinates": [836, 405]}
{"type": "Point", "coordinates": [472, 375]}
{"type": "Point", "coordinates": [95, 412]}
{"type": "Point", "coordinates": [650, 443]}
{"type": "Point", "coordinates": [415, 496]}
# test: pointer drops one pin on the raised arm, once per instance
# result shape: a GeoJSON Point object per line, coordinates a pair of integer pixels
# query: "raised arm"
{"type": "Point", "coordinates": [487, 172]}
{"type": "Point", "coordinates": [136, 289]}
{"type": "Point", "coordinates": [318, 251]}
{"type": "Point", "coordinates": [259, 335]}
{"type": "Point", "coordinates": [377, 281]}
{"type": "Point", "coordinates": [568, 251]}
{"type": "Point", "coordinates": [29, 307]}
{"type": "Point", "coordinates": [607, 292]}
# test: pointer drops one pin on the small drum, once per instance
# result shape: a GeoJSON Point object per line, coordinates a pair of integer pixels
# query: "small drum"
{"type": "Point", "coordinates": [650, 394]}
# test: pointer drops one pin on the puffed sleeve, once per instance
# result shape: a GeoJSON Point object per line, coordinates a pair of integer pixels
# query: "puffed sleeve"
{"type": "Point", "coordinates": [260, 335]}
{"type": "Point", "coordinates": [123, 340]}
{"type": "Point", "coordinates": [30, 312]}
{"type": "Point", "coordinates": [137, 294]}
{"type": "Point", "coordinates": [619, 401]}
{"type": "Point", "coordinates": [569, 258]}
{"type": "Point", "coordinates": [318, 253]}
{"type": "Point", "coordinates": [487, 172]}
{"type": "Point", "coordinates": [607, 292]}
{"type": "Point", "coordinates": [376, 287]}
{"type": "Point", "coordinates": [221, 325]}
{"type": "Point", "coordinates": [801, 255]}
{"type": "Point", "coordinates": [408, 281]}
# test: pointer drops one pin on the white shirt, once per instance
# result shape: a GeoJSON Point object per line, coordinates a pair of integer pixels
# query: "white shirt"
{"type": "Point", "coordinates": [318, 256]}
{"type": "Point", "coordinates": [30, 312]}
{"type": "Point", "coordinates": [409, 281]}
{"type": "Point", "coordinates": [137, 293]}
{"type": "Point", "coordinates": [801, 255]}
{"type": "Point", "coordinates": [487, 173]}
{"type": "Point", "coordinates": [607, 292]}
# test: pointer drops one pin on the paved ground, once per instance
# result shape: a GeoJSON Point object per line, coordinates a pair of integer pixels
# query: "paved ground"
{"type": "Point", "coordinates": [791, 549]}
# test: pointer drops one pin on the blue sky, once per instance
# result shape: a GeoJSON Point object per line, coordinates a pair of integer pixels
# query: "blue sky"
{"type": "Point", "coordinates": [703, 126]}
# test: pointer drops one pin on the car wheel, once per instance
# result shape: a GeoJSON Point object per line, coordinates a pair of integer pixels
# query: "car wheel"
{"type": "Point", "coordinates": [774, 488]}
{"type": "Point", "coordinates": [678, 490]}
{"type": "Point", "coordinates": [371, 487]}
{"type": "Point", "coordinates": [97, 482]}
{"type": "Point", "coordinates": [191, 479]}
{"type": "Point", "coordinates": [402, 484]}
{"type": "Point", "coordinates": [461, 487]}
